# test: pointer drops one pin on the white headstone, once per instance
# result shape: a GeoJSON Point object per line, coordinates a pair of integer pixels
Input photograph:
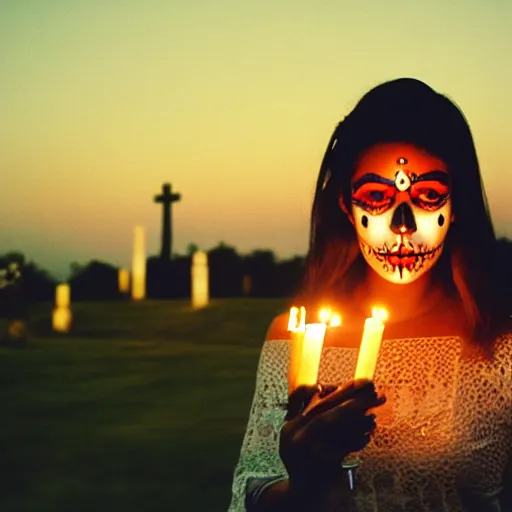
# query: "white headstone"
{"type": "Point", "coordinates": [139, 264]}
{"type": "Point", "coordinates": [61, 316]}
{"type": "Point", "coordinates": [124, 280]}
{"type": "Point", "coordinates": [200, 280]}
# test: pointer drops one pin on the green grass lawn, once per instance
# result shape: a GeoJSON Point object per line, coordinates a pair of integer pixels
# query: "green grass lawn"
{"type": "Point", "coordinates": [142, 407]}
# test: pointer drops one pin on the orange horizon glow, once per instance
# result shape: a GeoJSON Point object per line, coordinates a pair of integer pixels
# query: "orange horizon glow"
{"type": "Point", "coordinates": [232, 103]}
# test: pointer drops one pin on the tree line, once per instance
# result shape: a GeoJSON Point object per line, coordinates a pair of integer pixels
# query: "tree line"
{"type": "Point", "coordinates": [258, 274]}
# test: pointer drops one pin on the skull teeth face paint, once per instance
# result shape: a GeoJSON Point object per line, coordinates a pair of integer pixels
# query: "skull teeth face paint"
{"type": "Point", "coordinates": [401, 208]}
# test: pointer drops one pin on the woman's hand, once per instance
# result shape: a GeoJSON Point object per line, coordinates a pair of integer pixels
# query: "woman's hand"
{"type": "Point", "coordinates": [324, 425]}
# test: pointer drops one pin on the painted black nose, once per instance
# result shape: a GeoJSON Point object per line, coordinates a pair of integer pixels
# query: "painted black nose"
{"type": "Point", "coordinates": [403, 221]}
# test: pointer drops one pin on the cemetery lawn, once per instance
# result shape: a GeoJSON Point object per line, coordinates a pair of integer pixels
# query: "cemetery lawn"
{"type": "Point", "coordinates": [142, 407]}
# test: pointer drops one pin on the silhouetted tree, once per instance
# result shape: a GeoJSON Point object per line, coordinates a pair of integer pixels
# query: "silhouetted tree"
{"type": "Point", "coordinates": [171, 279]}
{"type": "Point", "coordinates": [38, 284]}
{"type": "Point", "coordinates": [261, 266]}
{"type": "Point", "coordinates": [13, 257]}
{"type": "Point", "coordinates": [35, 284]}
{"type": "Point", "coordinates": [192, 248]}
{"type": "Point", "coordinates": [289, 274]}
{"type": "Point", "coordinates": [75, 268]}
{"type": "Point", "coordinates": [226, 271]}
{"type": "Point", "coordinates": [168, 279]}
{"type": "Point", "coordinates": [12, 300]}
{"type": "Point", "coordinates": [96, 281]}
{"type": "Point", "coordinates": [13, 303]}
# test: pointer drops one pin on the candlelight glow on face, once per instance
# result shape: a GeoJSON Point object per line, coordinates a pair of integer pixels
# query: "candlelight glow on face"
{"type": "Point", "coordinates": [401, 209]}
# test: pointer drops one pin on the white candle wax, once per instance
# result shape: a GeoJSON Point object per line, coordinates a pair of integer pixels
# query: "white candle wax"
{"type": "Point", "coordinates": [311, 352]}
{"type": "Point", "coordinates": [369, 350]}
{"type": "Point", "coordinates": [296, 344]}
{"type": "Point", "coordinates": [200, 281]}
{"type": "Point", "coordinates": [296, 327]}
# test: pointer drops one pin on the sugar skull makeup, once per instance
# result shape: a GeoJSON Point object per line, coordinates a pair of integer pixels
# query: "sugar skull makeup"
{"type": "Point", "coordinates": [401, 209]}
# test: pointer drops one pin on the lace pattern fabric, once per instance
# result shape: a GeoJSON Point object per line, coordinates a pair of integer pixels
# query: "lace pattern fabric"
{"type": "Point", "coordinates": [443, 439]}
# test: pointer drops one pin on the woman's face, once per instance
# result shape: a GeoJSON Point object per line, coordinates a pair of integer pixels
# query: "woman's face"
{"type": "Point", "coordinates": [401, 209]}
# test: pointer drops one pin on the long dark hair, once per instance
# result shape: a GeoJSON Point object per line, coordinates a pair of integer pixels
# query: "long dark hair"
{"type": "Point", "coordinates": [407, 110]}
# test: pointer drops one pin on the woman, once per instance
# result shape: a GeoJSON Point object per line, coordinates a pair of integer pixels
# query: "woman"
{"type": "Point", "coordinates": [400, 220]}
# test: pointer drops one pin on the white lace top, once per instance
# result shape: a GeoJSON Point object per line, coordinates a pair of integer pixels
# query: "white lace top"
{"type": "Point", "coordinates": [443, 438]}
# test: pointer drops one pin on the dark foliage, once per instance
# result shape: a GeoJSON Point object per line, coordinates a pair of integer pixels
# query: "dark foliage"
{"type": "Point", "coordinates": [95, 281]}
{"type": "Point", "coordinates": [269, 277]}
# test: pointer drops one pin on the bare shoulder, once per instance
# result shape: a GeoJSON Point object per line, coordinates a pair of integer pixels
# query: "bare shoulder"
{"type": "Point", "coordinates": [278, 329]}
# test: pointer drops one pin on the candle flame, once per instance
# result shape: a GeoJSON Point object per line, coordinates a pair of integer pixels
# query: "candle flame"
{"type": "Point", "coordinates": [327, 317]}
{"type": "Point", "coordinates": [380, 314]}
{"type": "Point", "coordinates": [335, 320]}
{"type": "Point", "coordinates": [297, 319]}
{"type": "Point", "coordinates": [324, 315]}
{"type": "Point", "coordinates": [293, 318]}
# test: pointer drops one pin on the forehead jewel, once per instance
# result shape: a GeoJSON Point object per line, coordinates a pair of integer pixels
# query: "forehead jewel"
{"type": "Point", "coordinates": [402, 181]}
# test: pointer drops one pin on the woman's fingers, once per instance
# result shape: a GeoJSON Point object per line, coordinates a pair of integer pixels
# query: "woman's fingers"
{"type": "Point", "coordinates": [300, 399]}
{"type": "Point", "coordinates": [339, 428]}
{"type": "Point", "coordinates": [364, 392]}
{"type": "Point", "coordinates": [344, 419]}
{"type": "Point", "coordinates": [327, 390]}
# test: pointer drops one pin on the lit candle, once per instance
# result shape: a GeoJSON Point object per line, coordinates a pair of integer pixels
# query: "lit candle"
{"type": "Point", "coordinates": [311, 352]}
{"type": "Point", "coordinates": [296, 322]}
{"type": "Point", "coordinates": [306, 345]}
{"type": "Point", "coordinates": [370, 344]}
{"type": "Point", "coordinates": [296, 327]}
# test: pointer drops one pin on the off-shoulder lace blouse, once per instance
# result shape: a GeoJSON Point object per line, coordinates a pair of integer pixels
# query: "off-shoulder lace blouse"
{"type": "Point", "coordinates": [443, 439]}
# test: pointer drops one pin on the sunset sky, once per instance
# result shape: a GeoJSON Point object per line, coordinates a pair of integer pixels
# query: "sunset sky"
{"type": "Point", "coordinates": [232, 101]}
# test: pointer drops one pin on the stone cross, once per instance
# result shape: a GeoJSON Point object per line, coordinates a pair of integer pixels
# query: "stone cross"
{"type": "Point", "coordinates": [167, 198]}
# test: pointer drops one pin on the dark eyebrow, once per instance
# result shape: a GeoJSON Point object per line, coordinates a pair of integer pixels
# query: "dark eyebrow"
{"type": "Point", "coordinates": [441, 176]}
{"type": "Point", "coordinates": [371, 178]}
